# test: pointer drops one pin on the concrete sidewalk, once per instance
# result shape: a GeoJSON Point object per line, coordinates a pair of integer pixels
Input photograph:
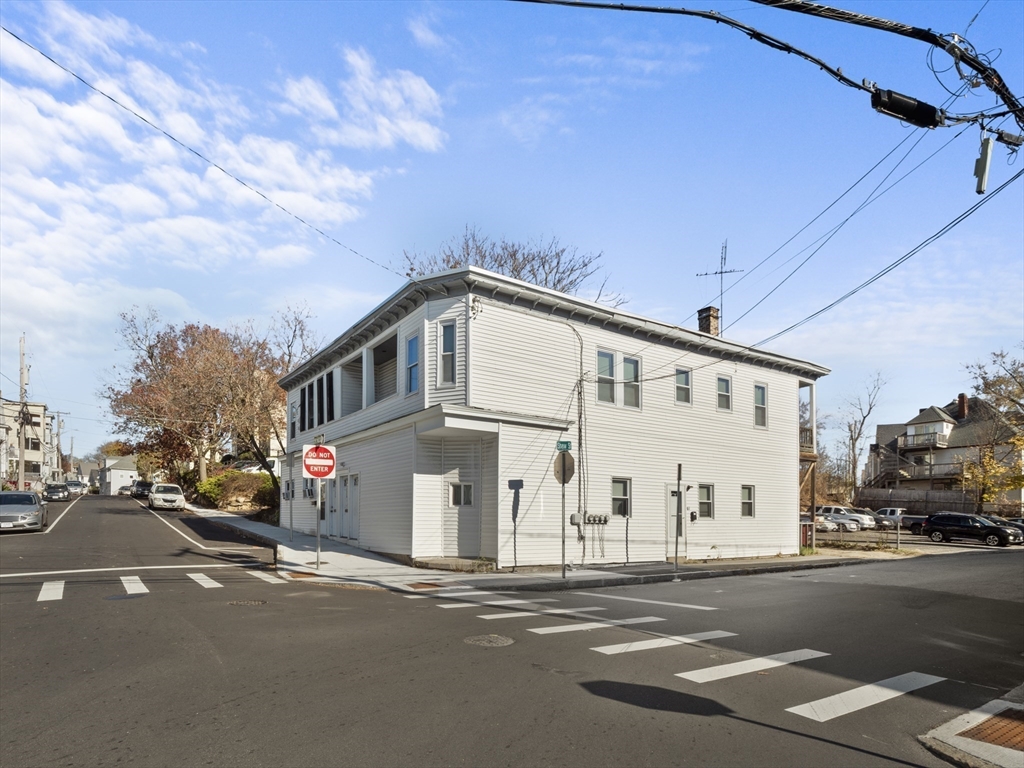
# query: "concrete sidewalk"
{"type": "Point", "coordinates": [343, 564]}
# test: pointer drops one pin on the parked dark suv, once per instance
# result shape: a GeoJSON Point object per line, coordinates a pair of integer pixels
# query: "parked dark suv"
{"type": "Point", "coordinates": [944, 526]}
{"type": "Point", "coordinates": [140, 489]}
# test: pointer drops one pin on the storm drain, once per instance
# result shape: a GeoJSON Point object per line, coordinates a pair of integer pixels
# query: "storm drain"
{"type": "Point", "coordinates": [489, 641]}
{"type": "Point", "coordinates": [247, 602]}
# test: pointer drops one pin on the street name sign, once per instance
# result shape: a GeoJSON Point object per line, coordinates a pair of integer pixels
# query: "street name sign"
{"type": "Point", "coordinates": [564, 445]}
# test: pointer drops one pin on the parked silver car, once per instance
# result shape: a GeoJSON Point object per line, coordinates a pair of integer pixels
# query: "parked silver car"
{"type": "Point", "coordinates": [22, 511]}
{"type": "Point", "coordinates": [166, 496]}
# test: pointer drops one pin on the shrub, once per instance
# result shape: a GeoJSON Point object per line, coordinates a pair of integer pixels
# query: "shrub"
{"type": "Point", "coordinates": [242, 489]}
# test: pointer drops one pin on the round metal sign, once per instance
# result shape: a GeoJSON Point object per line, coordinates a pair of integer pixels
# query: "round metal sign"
{"type": "Point", "coordinates": [317, 461]}
{"type": "Point", "coordinates": [563, 477]}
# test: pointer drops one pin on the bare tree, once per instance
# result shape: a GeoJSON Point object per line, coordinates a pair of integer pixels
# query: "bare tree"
{"type": "Point", "coordinates": [855, 416]}
{"type": "Point", "coordinates": [1000, 381]}
{"type": "Point", "coordinates": [549, 264]}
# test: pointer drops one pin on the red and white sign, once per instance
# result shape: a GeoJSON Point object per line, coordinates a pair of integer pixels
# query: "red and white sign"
{"type": "Point", "coordinates": [317, 461]}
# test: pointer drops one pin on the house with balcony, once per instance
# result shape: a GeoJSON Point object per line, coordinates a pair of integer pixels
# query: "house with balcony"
{"type": "Point", "coordinates": [446, 402]}
{"type": "Point", "coordinates": [928, 452]}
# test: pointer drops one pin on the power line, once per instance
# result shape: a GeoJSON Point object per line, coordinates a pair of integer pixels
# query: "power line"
{"type": "Point", "coordinates": [207, 160]}
{"type": "Point", "coordinates": [917, 249]}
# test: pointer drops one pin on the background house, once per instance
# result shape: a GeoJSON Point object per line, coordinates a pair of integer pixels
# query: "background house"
{"type": "Point", "coordinates": [446, 402]}
{"type": "Point", "coordinates": [25, 430]}
{"type": "Point", "coordinates": [115, 472]}
{"type": "Point", "coordinates": [930, 451]}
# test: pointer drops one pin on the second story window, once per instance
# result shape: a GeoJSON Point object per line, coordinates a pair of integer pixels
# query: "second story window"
{"type": "Point", "coordinates": [412, 365]}
{"type": "Point", "coordinates": [631, 382]}
{"type": "Point", "coordinates": [683, 392]}
{"type": "Point", "coordinates": [310, 414]}
{"type": "Point", "coordinates": [329, 384]}
{"type": "Point", "coordinates": [724, 393]}
{"type": "Point", "coordinates": [320, 401]}
{"type": "Point", "coordinates": [448, 353]}
{"type": "Point", "coordinates": [302, 409]}
{"type": "Point", "coordinates": [605, 377]}
{"type": "Point", "coordinates": [760, 405]}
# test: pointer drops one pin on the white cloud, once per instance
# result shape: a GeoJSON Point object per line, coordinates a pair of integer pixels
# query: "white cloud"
{"type": "Point", "coordinates": [309, 96]}
{"type": "Point", "coordinates": [534, 117]}
{"type": "Point", "coordinates": [383, 110]}
{"type": "Point", "coordinates": [424, 36]}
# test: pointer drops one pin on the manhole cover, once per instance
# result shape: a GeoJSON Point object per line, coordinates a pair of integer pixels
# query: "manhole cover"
{"type": "Point", "coordinates": [248, 602]}
{"type": "Point", "coordinates": [489, 641]}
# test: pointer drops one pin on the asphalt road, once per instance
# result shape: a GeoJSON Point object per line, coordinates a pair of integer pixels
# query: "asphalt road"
{"type": "Point", "coordinates": [262, 673]}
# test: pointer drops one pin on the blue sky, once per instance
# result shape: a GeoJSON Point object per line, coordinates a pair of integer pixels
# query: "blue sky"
{"type": "Point", "coordinates": [392, 126]}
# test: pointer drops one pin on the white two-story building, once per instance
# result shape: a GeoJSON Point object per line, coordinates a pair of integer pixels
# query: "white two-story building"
{"type": "Point", "coordinates": [446, 402]}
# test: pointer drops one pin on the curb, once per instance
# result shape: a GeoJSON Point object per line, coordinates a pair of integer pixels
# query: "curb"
{"type": "Point", "coordinates": [257, 537]}
{"type": "Point", "coordinates": [655, 578]}
{"type": "Point", "coordinates": [953, 755]}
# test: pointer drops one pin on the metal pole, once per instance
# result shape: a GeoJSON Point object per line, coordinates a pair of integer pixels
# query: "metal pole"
{"type": "Point", "coordinates": [318, 484]}
{"type": "Point", "coordinates": [679, 512]}
{"type": "Point", "coordinates": [563, 513]}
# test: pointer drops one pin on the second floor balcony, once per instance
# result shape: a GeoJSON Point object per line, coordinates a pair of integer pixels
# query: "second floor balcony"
{"type": "Point", "coordinates": [929, 440]}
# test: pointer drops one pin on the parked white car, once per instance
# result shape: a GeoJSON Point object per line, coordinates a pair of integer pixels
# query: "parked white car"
{"type": "Point", "coordinates": [166, 496]}
{"type": "Point", "coordinates": [845, 513]}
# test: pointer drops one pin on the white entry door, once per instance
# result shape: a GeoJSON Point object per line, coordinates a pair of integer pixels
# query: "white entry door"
{"type": "Point", "coordinates": [350, 507]}
{"type": "Point", "coordinates": [333, 511]}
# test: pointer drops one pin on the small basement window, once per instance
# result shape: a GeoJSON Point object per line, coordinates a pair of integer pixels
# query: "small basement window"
{"type": "Point", "coordinates": [462, 495]}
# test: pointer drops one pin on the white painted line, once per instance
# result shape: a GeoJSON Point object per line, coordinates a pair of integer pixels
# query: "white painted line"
{"type": "Point", "coordinates": [650, 602]}
{"type": "Point", "coordinates": [841, 704]}
{"type": "Point", "coordinates": [53, 525]}
{"type": "Point", "coordinates": [476, 604]}
{"type": "Point", "coordinates": [723, 671]}
{"type": "Point", "coordinates": [52, 590]}
{"type": "Point", "coordinates": [133, 585]}
{"type": "Point", "coordinates": [662, 642]}
{"type": "Point", "coordinates": [547, 612]}
{"type": "Point", "coordinates": [267, 577]}
{"type": "Point", "coordinates": [416, 597]}
{"type": "Point", "coordinates": [108, 570]}
{"type": "Point", "coordinates": [204, 580]}
{"type": "Point", "coordinates": [189, 538]}
{"type": "Point", "coordinates": [594, 625]}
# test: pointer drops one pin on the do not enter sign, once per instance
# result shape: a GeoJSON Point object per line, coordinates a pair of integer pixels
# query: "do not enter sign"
{"type": "Point", "coordinates": [317, 461]}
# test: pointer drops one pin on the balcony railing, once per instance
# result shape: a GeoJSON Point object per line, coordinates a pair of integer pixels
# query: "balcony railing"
{"type": "Point", "coordinates": [924, 471]}
{"type": "Point", "coordinates": [806, 440]}
{"type": "Point", "coordinates": [930, 440]}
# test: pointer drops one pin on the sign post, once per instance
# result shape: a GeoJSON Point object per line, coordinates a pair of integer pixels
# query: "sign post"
{"type": "Point", "coordinates": [679, 512]}
{"type": "Point", "coordinates": [564, 468]}
{"type": "Point", "coordinates": [318, 462]}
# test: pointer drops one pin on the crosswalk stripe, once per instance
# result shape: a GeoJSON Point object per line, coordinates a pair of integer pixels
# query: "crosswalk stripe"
{"type": "Point", "coordinates": [722, 671]}
{"type": "Point", "coordinates": [864, 696]}
{"type": "Point", "coordinates": [650, 602]}
{"type": "Point", "coordinates": [661, 642]}
{"type": "Point", "coordinates": [546, 612]}
{"type": "Point", "coordinates": [133, 585]}
{"type": "Point", "coordinates": [52, 590]}
{"type": "Point", "coordinates": [267, 577]}
{"type": "Point", "coordinates": [204, 580]}
{"type": "Point", "coordinates": [477, 604]}
{"type": "Point", "coordinates": [594, 625]}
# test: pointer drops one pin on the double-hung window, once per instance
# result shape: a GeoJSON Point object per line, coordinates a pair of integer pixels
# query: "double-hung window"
{"type": "Point", "coordinates": [706, 501]}
{"type": "Point", "coordinates": [302, 409]}
{"type": "Point", "coordinates": [724, 393]}
{"type": "Point", "coordinates": [605, 377]}
{"type": "Point", "coordinates": [746, 501]}
{"type": "Point", "coordinates": [683, 392]}
{"type": "Point", "coordinates": [320, 401]}
{"type": "Point", "coordinates": [760, 405]}
{"type": "Point", "coordinates": [448, 353]}
{"type": "Point", "coordinates": [310, 415]}
{"type": "Point", "coordinates": [412, 365]}
{"type": "Point", "coordinates": [329, 385]}
{"type": "Point", "coordinates": [631, 382]}
{"type": "Point", "coordinates": [620, 496]}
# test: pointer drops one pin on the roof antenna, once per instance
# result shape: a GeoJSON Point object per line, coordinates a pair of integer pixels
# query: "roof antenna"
{"type": "Point", "coordinates": [722, 271]}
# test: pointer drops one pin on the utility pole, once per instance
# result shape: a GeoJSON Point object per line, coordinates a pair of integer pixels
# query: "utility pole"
{"type": "Point", "coordinates": [722, 271]}
{"type": "Point", "coordinates": [60, 456]}
{"type": "Point", "coordinates": [23, 416]}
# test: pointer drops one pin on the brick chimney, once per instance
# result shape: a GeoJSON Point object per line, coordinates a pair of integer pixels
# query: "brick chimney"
{"type": "Point", "coordinates": [961, 407]}
{"type": "Point", "coordinates": [707, 320]}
